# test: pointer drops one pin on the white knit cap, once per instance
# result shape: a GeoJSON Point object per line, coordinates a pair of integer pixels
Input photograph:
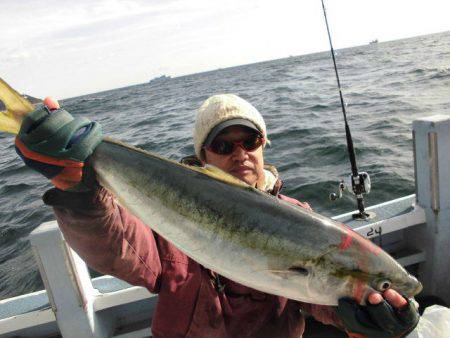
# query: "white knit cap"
{"type": "Point", "coordinates": [220, 108]}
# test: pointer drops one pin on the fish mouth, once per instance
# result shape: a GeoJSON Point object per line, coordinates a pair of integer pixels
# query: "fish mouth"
{"type": "Point", "coordinates": [409, 289]}
{"type": "Point", "coordinates": [415, 286]}
{"type": "Point", "coordinates": [418, 289]}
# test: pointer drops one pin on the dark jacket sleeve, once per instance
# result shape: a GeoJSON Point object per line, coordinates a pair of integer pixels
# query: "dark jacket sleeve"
{"type": "Point", "coordinates": [107, 237]}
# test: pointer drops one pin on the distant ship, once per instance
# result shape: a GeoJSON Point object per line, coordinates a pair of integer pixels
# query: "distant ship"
{"type": "Point", "coordinates": [373, 42]}
{"type": "Point", "coordinates": [159, 79]}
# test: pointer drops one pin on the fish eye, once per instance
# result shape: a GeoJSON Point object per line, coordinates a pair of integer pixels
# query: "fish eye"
{"type": "Point", "coordinates": [383, 285]}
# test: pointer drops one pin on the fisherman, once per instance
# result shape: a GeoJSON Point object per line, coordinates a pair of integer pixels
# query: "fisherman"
{"type": "Point", "coordinates": [193, 301]}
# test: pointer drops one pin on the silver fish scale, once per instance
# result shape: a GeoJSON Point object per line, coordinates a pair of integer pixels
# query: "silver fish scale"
{"type": "Point", "coordinates": [246, 235]}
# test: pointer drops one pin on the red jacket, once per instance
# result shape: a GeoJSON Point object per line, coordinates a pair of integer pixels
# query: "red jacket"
{"type": "Point", "coordinates": [113, 241]}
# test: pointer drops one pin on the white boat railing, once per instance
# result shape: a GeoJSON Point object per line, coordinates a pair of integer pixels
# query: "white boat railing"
{"type": "Point", "coordinates": [415, 229]}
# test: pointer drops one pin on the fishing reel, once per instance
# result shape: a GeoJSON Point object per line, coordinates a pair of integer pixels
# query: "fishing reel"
{"type": "Point", "coordinates": [355, 185]}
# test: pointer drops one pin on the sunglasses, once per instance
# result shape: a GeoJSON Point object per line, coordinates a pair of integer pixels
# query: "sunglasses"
{"type": "Point", "coordinates": [224, 147]}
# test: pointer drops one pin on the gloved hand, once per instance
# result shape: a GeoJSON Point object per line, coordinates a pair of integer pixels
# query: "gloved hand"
{"type": "Point", "coordinates": [56, 144]}
{"type": "Point", "coordinates": [381, 320]}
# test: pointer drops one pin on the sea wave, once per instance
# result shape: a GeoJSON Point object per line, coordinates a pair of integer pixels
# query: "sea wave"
{"type": "Point", "coordinates": [387, 87]}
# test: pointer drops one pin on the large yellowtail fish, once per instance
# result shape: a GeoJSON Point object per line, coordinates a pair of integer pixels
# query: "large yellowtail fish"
{"type": "Point", "coordinates": [240, 232]}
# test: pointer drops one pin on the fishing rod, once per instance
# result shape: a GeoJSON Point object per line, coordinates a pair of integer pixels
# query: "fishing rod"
{"type": "Point", "coordinates": [357, 183]}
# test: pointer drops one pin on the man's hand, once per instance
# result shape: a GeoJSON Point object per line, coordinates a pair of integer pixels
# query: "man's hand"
{"type": "Point", "coordinates": [56, 144]}
{"type": "Point", "coordinates": [385, 316]}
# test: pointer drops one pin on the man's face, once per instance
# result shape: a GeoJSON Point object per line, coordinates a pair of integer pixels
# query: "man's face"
{"type": "Point", "coordinates": [243, 164]}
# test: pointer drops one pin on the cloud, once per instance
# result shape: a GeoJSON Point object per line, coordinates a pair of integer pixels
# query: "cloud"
{"type": "Point", "coordinates": [103, 44]}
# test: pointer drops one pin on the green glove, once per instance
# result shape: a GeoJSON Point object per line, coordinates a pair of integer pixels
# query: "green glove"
{"type": "Point", "coordinates": [377, 321]}
{"type": "Point", "coordinates": [56, 144]}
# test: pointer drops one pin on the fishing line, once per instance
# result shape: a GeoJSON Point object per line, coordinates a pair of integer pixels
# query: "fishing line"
{"type": "Point", "coordinates": [359, 182]}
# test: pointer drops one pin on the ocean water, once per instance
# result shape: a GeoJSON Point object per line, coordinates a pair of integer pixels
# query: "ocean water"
{"type": "Point", "coordinates": [386, 85]}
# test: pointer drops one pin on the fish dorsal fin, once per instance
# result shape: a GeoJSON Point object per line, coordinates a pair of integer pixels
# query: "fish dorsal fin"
{"type": "Point", "coordinates": [220, 175]}
{"type": "Point", "coordinates": [16, 108]}
{"type": "Point", "coordinates": [208, 170]}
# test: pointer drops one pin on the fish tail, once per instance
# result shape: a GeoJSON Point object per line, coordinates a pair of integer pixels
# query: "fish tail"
{"type": "Point", "coordinates": [15, 108]}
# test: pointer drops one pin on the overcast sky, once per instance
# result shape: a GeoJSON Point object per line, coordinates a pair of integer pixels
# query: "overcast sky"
{"type": "Point", "coordinates": [68, 48]}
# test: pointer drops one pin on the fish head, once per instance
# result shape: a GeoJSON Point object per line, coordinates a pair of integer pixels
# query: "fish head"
{"type": "Point", "coordinates": [339, 270]}
{"type": "Point", "coordinates": [366, 274]}
{"type": "Point", "coordinates": [358, 269]}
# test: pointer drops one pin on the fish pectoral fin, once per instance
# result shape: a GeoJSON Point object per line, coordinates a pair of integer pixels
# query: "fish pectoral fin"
{"type": "Point", "coordinates": [291, 272]}
{"type": "Point", "coordinates": [299, 270]}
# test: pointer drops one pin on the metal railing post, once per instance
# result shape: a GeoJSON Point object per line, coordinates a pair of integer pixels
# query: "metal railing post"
{"type": "Point", "coordinates": [68, 285]}
{"type": "Point", "coordinates": [432, 171]}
